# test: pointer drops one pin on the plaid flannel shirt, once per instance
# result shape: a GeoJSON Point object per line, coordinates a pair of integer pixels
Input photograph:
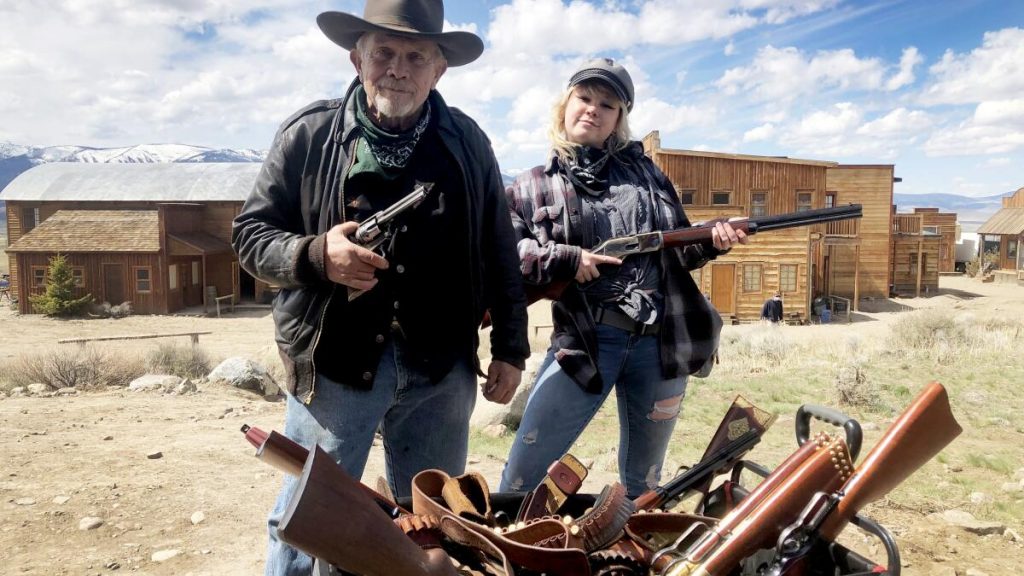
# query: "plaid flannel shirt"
{"type": "Point", "coordinates": [550, 230]}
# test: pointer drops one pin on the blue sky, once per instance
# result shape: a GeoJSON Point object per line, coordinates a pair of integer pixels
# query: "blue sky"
{"type": "Point", "coordinates": [934, 87]}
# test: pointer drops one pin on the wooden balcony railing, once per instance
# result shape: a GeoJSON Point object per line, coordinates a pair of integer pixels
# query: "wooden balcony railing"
{"type": "Point", "coordinates": [849, 228]}
{"type": "Point", "coordinates": [906, 224]}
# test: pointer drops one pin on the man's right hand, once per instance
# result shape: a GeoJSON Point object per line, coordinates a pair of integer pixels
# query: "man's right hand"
{"type": "Point", "coordinates": [587, 270]}
{"type": "Point", "coordinates": [348, 263]}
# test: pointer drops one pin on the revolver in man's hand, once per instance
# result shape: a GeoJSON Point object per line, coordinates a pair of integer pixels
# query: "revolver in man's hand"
{"type": "Point", "coordinates": [376, 232]}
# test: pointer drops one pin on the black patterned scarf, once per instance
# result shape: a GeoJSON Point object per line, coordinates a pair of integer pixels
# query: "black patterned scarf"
{"type": "Point", "coordinates": [587, 170]}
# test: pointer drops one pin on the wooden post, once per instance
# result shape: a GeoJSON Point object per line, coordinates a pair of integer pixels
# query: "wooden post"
{"type": "Point", "coordinates": [856, 278]}
{"type": "Point", "coordinates": [203, 284]}
{"type": "Point", "coordinates": [920, 249]}
{"type": "Point", "coordinates": [195, 340]}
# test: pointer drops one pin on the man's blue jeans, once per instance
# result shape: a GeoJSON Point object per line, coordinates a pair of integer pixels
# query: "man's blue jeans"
{"type": "Point", "coordinates": [558, 410]}
{"type": "Point", "coordinates": [424, 425]}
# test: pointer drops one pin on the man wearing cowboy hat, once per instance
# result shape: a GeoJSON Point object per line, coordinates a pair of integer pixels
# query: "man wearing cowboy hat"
{"type": "Point", "coordinates": [402, 356]}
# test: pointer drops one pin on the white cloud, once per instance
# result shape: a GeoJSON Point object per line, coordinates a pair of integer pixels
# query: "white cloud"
{"type": "Point", "coordinates": [577, 26]}
{"type": "Point", "coordinates": [900, 123]}
{"type": "Point", "coordinates": [787, 74]}
{"type": "Point", "coordinates": [905, 75]}
{"type": "Point", "coordinates": [993, 71]}
{"type": "Point", "coordinates": [997, 162]}
{"type": "Point", "coordinates": [655, 114]}
{"type": "Point", "coordinates": [762, 132]}
{"type": "Point", "coordinates": [1003, 113]}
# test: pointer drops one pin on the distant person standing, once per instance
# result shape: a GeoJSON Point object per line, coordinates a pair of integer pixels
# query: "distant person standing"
{"type": "Point", "coordinates": [772, 309]}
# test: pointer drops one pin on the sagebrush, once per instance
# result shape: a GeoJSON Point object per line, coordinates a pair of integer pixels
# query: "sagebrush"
{"type": "Point", "coordinates": [80, 367]}
{"type": "Point", "coordinates": [183, 361]}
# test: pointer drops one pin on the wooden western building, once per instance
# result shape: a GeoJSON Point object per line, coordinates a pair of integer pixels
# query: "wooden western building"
{"type": "Point", "coordinates": [802, 263]}
{"type": "Point", "coordinates": [155, 235]}
{"type": "Point", "coordinates": [944, 225]}
{"type": "Point", "coordinates": [1003, 233]}
{"type": "Point", "coordinates": [915, 255]}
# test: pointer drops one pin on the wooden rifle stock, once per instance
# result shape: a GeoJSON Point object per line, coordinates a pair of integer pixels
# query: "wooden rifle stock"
{"type": "Point", "coordinates": [332, 518]}
{"type": "Point", "coordinates": [924, 428]}
{"type": "Point", "coordinates": [921, 431]}
{"type": "Point", "coordinates": [289, 457]}
{"type": "Point", "coordinates": [822, 464]}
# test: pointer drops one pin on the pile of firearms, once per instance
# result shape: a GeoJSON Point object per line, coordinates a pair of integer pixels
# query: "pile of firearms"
{"type": "Point", "coordinates": [787, 524]}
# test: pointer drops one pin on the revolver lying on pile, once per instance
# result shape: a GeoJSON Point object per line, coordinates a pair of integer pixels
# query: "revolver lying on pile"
{"type": "Point", "coordinates": [785, 526]}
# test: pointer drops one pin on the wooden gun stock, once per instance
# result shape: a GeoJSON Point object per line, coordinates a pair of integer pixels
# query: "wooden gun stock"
{"type": "Point", "coordinates": [823, 464]}
{"type": "Point", "coordinates": [918, 434]}
{"type": "Point", "coordinates": [331, 517]}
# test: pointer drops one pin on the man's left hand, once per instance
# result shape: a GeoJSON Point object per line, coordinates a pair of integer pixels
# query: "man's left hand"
{"type": "Point", "coordinates": [502, 381]}
{"type": "Point", "coordinates": [724, 236]}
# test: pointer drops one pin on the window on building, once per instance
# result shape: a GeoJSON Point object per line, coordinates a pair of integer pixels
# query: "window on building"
{"type": "Point", "coordinates": [830, 199]}
{"type": "Point", "coordinates": [913, 263]}
{"type": "Point", "coordinates": [1011, 249]}
{"type": "Point", "coordinates": [29, 219]}
{"type": "Point", "coordinates": [930, 229]}
{"type": "Point", "coordinates": [697, 277]}
{"type": "Point", "coordinates": [172, 277]}
{"type": "Point", "coordinates": [721, 198]}
{"type": "Point", "coordinates": [751, 277]}
{"type": "Point", "coordinates": [758, 204]}
{"type": "Point", "coordinates": [195, 273]}
{"type": "Point", "coordinates": [686, 196]}
{"type": "Point", "coordinates": [787, 277]}
{"type": "Point", "coordinates": [803, 200]}
{"type": "Point", "coordinates": [39, 276]}
{"type": "Point", "coordinates": [143, 280]}
{"type": "Point", "coordinates": [78, 274]}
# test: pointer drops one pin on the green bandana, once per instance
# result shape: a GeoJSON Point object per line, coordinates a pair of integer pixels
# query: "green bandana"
{"type": "Point", "coordinates": [382, 152]}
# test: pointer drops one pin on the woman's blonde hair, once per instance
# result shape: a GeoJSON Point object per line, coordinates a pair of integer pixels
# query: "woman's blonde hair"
{"type": "Point", "coordinates": [565, 149]}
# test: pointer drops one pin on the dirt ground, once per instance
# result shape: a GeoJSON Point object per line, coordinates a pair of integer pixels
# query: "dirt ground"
{"type": "Point", "coordinates": [64, 459]}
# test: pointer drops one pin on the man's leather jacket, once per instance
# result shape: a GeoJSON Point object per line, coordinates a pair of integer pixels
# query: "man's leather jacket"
{"type": "Point", "coordinates": [280, 233]}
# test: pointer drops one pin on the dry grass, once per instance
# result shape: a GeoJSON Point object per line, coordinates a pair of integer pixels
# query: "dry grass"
{"type": "Point", "coordinates": [71, 366]}
{"type": "Point", "coordinates": [978, 361]}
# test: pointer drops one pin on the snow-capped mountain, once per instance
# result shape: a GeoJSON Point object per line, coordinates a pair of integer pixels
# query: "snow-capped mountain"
{"type": "Point", "coordinates": [17, 158]}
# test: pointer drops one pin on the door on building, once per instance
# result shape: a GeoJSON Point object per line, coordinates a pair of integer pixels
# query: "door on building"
{"type": "Point", "coordinates": [113, 283]}
{"type": "Point", "coordinates": [723, 288]}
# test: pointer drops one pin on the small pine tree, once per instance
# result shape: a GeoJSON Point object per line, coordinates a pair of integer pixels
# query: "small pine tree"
{"type": "Point", "coordinates": [59, 298]}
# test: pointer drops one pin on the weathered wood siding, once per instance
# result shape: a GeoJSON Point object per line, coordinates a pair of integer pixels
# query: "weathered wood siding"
{"type": "Point", "coordinates": [872, 187]}
{"type": "Point", "coordinates": [906, 248]}
{"type": "Point", "coordinates": [770, 251]}
{"type": "Point", "coordinates": [945, 223]}
{"type": "Point", "coordinates": [153, 302]}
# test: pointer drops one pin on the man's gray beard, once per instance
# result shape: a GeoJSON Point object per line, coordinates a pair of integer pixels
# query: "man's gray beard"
{"type": "Point", "coordinates": [391, 110]}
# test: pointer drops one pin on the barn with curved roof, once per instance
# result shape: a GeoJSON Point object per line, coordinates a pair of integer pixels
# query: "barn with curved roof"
{"type": "Point", "coordinates": [155, 235]}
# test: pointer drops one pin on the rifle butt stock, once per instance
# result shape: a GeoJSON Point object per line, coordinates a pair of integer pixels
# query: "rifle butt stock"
{"type": "Point", "coordinates": [924, 428]}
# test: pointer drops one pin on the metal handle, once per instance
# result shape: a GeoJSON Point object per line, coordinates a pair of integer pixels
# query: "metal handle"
{"type": "Point", "coordinates": [854, 436]}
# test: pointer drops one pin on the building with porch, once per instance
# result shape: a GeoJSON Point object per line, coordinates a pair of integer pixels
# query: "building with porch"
{"type": "Point", "coordinates": [155, 235]}
{"type": "Point", "coordinates": [1003, 233]}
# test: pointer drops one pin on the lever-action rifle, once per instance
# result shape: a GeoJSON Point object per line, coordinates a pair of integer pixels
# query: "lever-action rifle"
{"type": "Point", "coordinates": [380, 228]}
{"type": "Point", "coordinates": [653, 241]}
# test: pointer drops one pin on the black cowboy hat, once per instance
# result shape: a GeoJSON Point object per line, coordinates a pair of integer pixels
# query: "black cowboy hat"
{"type": "Point", "coordinates": [415, 18]}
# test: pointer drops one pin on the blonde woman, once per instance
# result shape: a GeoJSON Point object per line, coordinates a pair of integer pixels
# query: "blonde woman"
{"type": "Point", "coordinates": [638, 325]}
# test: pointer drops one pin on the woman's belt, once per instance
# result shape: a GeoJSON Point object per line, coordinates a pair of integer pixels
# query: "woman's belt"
{"type": "Point", "coordinates": [613, 317]}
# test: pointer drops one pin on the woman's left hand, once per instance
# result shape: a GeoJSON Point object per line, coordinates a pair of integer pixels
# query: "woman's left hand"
{"type": "Point", "coordinates": [724, 236]}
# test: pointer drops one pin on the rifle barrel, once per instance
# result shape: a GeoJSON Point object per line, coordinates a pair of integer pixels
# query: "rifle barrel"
{"type": "Point", "coordinates": [806, 217]}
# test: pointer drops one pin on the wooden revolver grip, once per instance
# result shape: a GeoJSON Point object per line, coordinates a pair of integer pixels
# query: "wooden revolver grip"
{"type": "Point", "coordinates": [924, 428]}
{"type": "Point", "coordinates": [331, 517]}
